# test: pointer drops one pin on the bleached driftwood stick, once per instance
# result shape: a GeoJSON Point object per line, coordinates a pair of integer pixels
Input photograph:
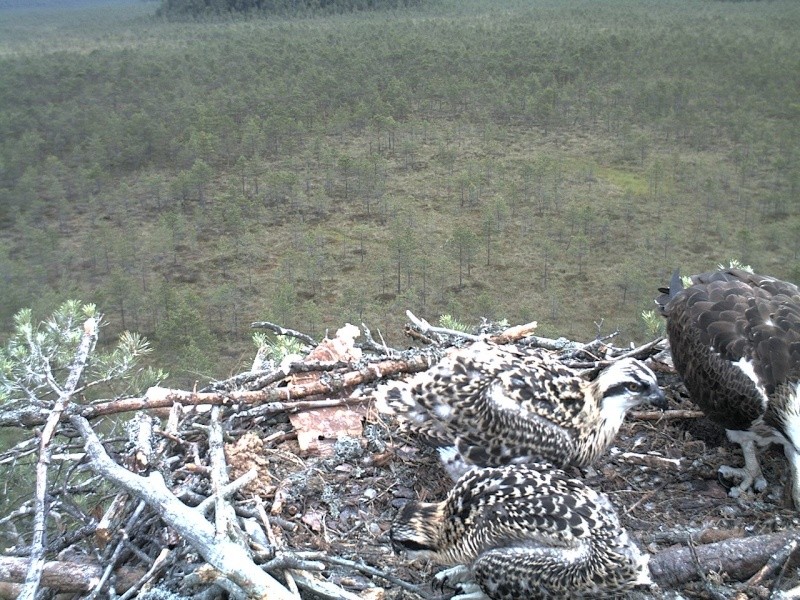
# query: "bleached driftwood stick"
{"type": "Point", "coordinates": [87, 343]}
{"type": "Point", "coordinates": [224, 515]}
{"type": "Point", "coordinates": [226, 557]}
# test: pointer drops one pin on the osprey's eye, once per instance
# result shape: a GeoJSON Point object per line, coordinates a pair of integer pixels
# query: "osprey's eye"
{"type": "Point", "coordinates": [634, 386]}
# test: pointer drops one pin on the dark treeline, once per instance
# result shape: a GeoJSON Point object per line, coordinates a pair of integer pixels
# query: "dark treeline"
{"type": "Point", "coordinates": [58, 4]}
{"type": "Point", "coordinates": [201, 8]}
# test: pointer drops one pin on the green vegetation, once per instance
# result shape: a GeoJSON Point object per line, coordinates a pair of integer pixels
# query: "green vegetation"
{"type": "Point", "coordinates": [38, 354]}
{"type": "Point", "coordinates": [549, 161]}
{"type": "Point", "coordinates": [39, 364]}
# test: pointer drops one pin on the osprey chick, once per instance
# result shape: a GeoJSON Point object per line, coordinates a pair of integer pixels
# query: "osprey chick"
{"type": "Point", "coordinates": [735, 341]}
{"type": "Point", "coordinates": [522, 531]}
{"type": "Point", "coordinates": [491, 405]}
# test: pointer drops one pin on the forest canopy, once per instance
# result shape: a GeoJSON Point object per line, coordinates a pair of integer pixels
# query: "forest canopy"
{"type": "Point", "coordinates": [200, 8]}
{"type": "Point", "coordinates": [551, 161]}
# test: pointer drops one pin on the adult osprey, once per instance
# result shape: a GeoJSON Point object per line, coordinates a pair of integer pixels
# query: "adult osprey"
{"type": "Point", "coordinates": [735, 341]}
{"type": "Point", "coordinates": [491, 405]}
{"type": "Point", "coordinates": [522, 531]}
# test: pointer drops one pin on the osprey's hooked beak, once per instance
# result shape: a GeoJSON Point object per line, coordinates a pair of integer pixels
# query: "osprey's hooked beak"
{"type": "Point", "coordinates": [675, 283]}
{"type": "Point", "coordinates": [667, 294]}
{"type": "Point", "coordinates": [657, 398]}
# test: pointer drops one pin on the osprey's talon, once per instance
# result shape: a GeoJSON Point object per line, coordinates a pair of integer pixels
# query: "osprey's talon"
{"type": "Point", "coordinates": [746, 480]}
{"type": "Point", "coordinates": [450, 578]}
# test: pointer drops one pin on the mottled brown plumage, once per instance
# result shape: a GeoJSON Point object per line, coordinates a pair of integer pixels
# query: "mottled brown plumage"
{"type": "Point", "coordinates": [735, 340]}
{"type": "Point", "coordinates": [497, 405]}
{"type": "Point", "coordinates": [523, 531]}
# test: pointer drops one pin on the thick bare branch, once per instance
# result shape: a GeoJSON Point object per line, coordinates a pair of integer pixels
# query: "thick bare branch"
{"type": "Point", "coordinates": [159, 398]}
{"type": "Point", "coordinates": [277, 329]}
{"type": "Point", "coordinates": [228, 558]}
{"type": "Point", "coordinates": [66, 576]}
{"type": "Point", "coordinates": [740, 557]}
{"type": "Point", "coordinates": [223, 512]}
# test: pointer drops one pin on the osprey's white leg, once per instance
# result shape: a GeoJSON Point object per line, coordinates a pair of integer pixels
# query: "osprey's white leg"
{"type": "Point", "coordinates": [452, 576]}
{"type": "Point", "coordinates": [793, 456]}
{"type": "Point", "coordinates": [459, 578]}
{"type": "Point", "coordinates": [751, 473]}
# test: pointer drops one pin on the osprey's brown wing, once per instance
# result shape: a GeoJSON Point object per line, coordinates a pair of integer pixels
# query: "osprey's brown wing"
{"type": "Point", "coordinates": [729, 323]}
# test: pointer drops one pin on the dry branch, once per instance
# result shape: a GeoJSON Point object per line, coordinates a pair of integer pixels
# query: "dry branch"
{"type": "Point", "coordinates": [740, 558]}
{"type": "Point", "coordinates": [334, 384]}
{"type": "Point", "coordinates": [426, 328]}
{"type": "Point", "coordinates": [507, 336]}
{"type": "Point", "coordinates": [66, 576]}
{"type": "Point", "coordinates": [641, 352]}
{"type": "Point", "coordinates": [256, 380]}
{"type": "Point", "coordinates": [321, 588]}
{"type": "Point", "coordinates": [278, 330]}
{"type": "Point", "coordinates": [225, 556]}
{"type": "Point", "coordinates": [102, 535]}
{"type": "Point", "coordinates": [156, 567]}
{"type": "Point", "coordinates": [651, 460]}
{"type": "Point", "coordinates": [87, 342]}
{"type": "Point", "coordinates": [776, 562]}
{"type": "Point", "coordinates": [665, 415]}
{"type": "Point", "coordinates": [159, 398]}
{"type": "Point", "coordinates": [224, 514]}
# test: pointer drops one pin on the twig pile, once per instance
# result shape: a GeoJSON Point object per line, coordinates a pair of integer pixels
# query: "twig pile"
{"type": "Point", "coordinates": [248, 488]}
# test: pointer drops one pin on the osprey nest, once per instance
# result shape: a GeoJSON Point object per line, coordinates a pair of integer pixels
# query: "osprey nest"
{"type": "Point", "coordinates": [287, 481]}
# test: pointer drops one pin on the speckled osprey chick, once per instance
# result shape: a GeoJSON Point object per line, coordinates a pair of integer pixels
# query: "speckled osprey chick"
{"type": "Point", "coordinates": [523, 531]}
{"type": "Point", "coordinates": [490, 405]}
{"type": "Point", "coordinates": [735, 340]}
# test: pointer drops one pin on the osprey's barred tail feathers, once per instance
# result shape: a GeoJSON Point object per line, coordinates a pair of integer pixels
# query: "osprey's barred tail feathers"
{"type": "Point", "coordinates": [428, 403]}
{"type": "Point", "coordinates": [432, 394]}
{"type": "Point", "coordinates": [402, 399]}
